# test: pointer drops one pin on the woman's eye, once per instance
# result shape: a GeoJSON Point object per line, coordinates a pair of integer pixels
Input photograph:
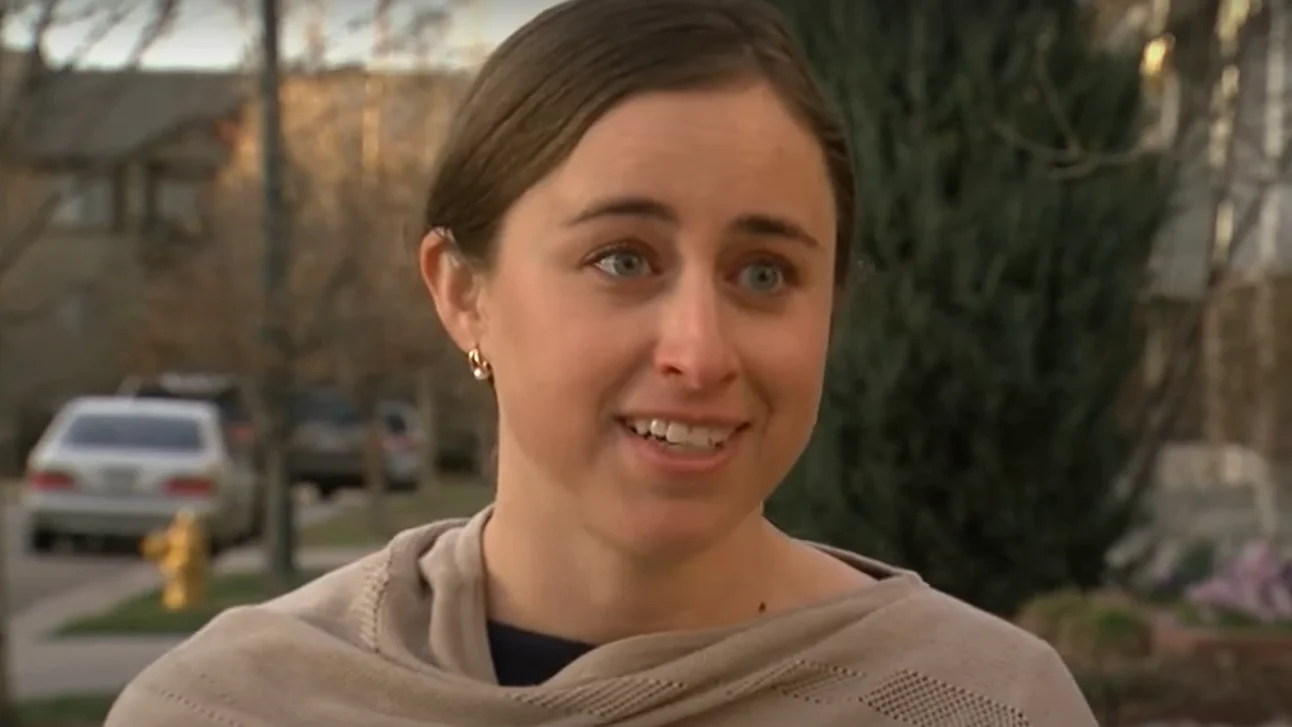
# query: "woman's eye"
{"type": "Point", "coordinates": [762, 277]}
{"type": "Point", "coordinates": [623, 264]}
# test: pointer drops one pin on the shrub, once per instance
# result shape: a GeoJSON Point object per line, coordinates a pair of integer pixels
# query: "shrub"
{"type": "Point", "coordinates": [969, 427]}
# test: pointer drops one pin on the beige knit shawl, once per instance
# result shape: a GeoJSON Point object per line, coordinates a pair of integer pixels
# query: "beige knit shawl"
{"type": "Point", "coordinates": [398, 640]}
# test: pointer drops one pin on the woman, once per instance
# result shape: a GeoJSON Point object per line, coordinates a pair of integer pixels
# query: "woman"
{"type": "Point", "coordinates": [637, 233]}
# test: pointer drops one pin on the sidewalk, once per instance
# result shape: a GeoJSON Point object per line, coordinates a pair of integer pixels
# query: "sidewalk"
{"type": "Point", "coordinates": [48, 666]}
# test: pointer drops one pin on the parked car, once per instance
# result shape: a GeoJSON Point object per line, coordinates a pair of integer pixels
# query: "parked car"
{"type": "Point", "coordinates": [326, 446]}
{"type": "Point", "coordinates": [115, 467]}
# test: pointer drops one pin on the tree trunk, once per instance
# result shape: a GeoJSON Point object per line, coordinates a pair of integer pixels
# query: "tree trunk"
{"type": "Point", "coordinates": [1213, 381]}
{"type": "Point", "coordinates": [1269, 500]}
{"type": "Point", "coordinates": [280, 534]}
{"type": "Point", "coordinates": [7, 716]}
{"type": "Point", "coordinates": [276, 328]}
{"type": "Point", "coordinates": [271, 420]}
{"type": "Point", "coordinates": [428, 435]}
{"type": "Point", "coordinates": [374, 468]}
{"type": "Point", "coordinates": [1221, 146]}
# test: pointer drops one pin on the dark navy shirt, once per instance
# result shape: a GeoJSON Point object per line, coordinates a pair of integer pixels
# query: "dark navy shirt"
{"type": "Point", "coordinates": [524, 658]}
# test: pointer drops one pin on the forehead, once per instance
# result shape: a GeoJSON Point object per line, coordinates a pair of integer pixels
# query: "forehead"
{"type": "Point", "coordinates": [724, 151]}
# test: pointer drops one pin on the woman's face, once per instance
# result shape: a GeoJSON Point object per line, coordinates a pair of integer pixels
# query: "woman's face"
{"type": "Point", "coordinates": [657, 319]}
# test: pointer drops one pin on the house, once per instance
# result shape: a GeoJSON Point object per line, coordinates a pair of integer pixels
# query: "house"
{"type": "Point", "coordinates": [150, 260]}
{"type": "Point", "coordinates": [1227, 469]}
{"type": "Point", "coordinates": [105, 177]}
{"type": "Point", "coordinates": [1242, 393]}
{"type": "Point", "coordinates": [359, 149]}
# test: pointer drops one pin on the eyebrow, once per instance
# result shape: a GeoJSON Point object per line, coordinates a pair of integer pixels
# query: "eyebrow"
{"type": "Point", "coordinates": [757, 225]}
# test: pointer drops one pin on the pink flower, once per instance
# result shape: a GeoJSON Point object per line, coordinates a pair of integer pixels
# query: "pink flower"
{"type": "Point", "coordinates": [1257, 584]}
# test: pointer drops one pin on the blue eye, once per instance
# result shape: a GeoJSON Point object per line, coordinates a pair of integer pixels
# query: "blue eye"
{"type": "Point", "coordinates": [623, 264]}
{"type": "Point", "coordinates": [763, 277]}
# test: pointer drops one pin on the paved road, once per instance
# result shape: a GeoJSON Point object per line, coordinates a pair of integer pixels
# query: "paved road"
{"type": "Point", "coordinates": [33, 578]}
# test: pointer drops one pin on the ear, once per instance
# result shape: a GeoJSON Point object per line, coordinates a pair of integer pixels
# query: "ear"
{"type": "Point", "coordinates": [455, 286]}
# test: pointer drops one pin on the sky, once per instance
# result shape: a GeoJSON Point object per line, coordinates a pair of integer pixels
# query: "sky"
{"type": "Point", "coordinates": [213, 34]}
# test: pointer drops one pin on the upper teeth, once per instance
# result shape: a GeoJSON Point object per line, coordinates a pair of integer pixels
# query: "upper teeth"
{"type": "Point", "coordinates": [679, 433]}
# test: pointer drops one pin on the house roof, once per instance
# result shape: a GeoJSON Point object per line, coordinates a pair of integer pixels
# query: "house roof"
{"type": "Point", "coordinates": [97, 115]}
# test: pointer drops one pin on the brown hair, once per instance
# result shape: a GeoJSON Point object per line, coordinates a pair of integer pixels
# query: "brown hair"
{"type": "Point", "coordinates": [548, 83]}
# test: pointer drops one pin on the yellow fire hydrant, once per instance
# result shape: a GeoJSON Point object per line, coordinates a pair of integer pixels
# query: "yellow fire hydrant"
{"type": "Point", "coordinates": [181, 554]}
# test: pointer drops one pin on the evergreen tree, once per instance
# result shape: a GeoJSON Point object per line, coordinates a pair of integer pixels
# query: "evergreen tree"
{"type": "Point", "coordinates": [969, 427]}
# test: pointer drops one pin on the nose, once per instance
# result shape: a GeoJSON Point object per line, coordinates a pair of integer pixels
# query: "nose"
{"type": "Point", "coordinates": [694, 348]}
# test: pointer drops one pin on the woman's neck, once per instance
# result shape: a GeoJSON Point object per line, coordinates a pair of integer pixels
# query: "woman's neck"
{"type": "Point", "coordinates": [551, 576]}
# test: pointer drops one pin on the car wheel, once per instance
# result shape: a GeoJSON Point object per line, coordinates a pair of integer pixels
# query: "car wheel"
{"type": "Point", "coordinates": [40, 540]}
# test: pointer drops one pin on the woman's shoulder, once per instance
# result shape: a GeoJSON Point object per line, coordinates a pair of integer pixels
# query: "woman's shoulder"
{"type": "Point", "coordinates": [949, 624]}
{"type": "Point", "coordinates": [922, 614]}
{"type": "Point", "coordinates": [917, 613]}
{"type": "Point", "coordinates": [918, 645]}
{"type": "Point", "coordinates": [935, 649]}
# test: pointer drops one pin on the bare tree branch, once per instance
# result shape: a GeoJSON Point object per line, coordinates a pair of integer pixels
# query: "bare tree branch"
{"type": "Point", "coordinates": [1162, 404]}
{"type": "Point", "coordinates": [105, 17]}
{"type": "Point", "coordinates": [27, 235]}
{"type": "Point", "coordinates": [354, 227]}
{"type": "Point", "coordinates": [324, 325]}
{"type": "Point", "coordinates": [10, 111]}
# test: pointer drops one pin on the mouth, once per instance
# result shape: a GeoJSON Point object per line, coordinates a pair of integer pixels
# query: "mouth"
{"type": "Point", "coordinates": [682, 436]}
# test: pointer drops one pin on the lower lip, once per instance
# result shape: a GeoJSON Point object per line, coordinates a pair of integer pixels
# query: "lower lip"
{"type": "Point", "coordinates": [676, 461]}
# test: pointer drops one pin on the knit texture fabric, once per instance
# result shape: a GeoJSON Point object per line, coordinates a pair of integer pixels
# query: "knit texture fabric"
{"type": "Point", "coordinates": [398, 640]}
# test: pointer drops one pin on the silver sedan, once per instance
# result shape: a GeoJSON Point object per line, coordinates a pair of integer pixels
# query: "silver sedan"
{"type": "Point", "coordinates": [111, 467]}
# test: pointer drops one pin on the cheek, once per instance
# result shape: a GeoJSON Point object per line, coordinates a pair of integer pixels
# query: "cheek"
{"type": "Point", "coordinates": [558, 353]}
{"type": "Point", "coordinates": [787, 371]}
{"type": "Point", "coordinates": [795, 363]}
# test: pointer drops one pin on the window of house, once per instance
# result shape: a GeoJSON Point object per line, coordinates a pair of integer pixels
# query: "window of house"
{"type": "Point", "coordinates": [85, 200]}
{"type": "Point", "coordinates": [178, 201]}
{"type": "Point", "coordinates": [74, 311]}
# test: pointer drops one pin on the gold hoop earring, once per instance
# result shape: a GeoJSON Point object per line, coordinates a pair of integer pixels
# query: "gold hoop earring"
{"type": "Point", "coordinates": [480, 367]}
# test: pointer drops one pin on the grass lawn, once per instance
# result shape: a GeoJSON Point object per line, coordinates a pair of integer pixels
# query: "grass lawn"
{"type": "Point", "coordinates": [352, 527]}
{"type": "Point", "coordinates": [144, 614]}
{"type": "Point", "coordinates": [75, 711]}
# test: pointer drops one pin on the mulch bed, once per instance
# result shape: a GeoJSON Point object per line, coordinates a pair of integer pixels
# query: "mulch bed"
{"type": "Point", "coordinates": [1199, 691]}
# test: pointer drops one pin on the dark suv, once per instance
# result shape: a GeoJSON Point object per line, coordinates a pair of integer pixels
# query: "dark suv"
{"type": "Point", "coordinates": [219, 389]}
{"type": "Point", "coordinates": [326, 446]}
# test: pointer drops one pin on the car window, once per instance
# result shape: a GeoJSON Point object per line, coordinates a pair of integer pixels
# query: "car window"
{"type": "Point", "coordinates": [326, 408]}
{"type": "Point", "coordinates": [131, 431]}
